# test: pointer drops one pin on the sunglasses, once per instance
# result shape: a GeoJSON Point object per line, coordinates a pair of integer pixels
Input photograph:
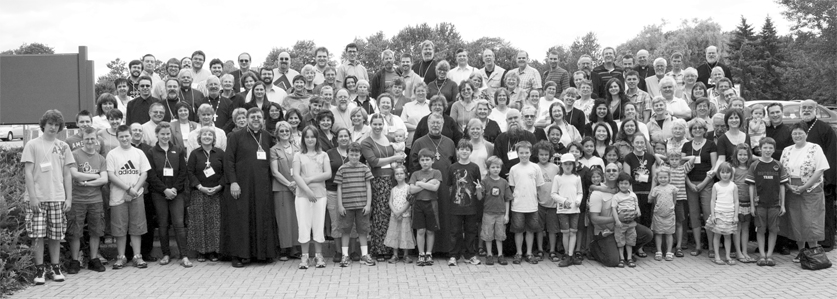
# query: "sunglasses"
{"type": "Point", "coordinates": [528, 116]}
{"type": "Point", "coordinates": [611, 170]}
{"type": "Point", "coordinates": [284, 59]}
{"type": "Point", "coordinates": [144, 86]}
{"type": "Point", "coordinates": [243, 60]}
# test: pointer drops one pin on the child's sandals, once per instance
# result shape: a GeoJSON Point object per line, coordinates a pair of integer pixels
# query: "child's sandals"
{"type": "Point", "coordinates": [669, 256]}
{"type": "Point", "coordinates": [621, 264]}
{"type": "Point", "coordinates": [393, 259]}
{"type": "Point", "coordinates": [631, 264]}
{"type": "Point", "coordinates": [761, 262]}
{"type": "Point", "coordinates": [554, 257]}
{"type": "Point", "coordinates": [658, 256]}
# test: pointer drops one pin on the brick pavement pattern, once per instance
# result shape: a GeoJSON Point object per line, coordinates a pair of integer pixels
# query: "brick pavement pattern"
{"type": "Point", "coordinates": [688, 277]}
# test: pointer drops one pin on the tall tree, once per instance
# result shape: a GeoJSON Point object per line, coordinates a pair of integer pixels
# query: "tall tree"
{"type": "Point", "coordinates": [504, 52]}
{"type": "Point", "coordinates": [587, 44]}
{"type": "Point", "coordinates": [811, 55]}
{"type": "Point", "coordinates": [770, 61]}
{"type": "Point", "coordinates": [742, 57]}
{"type": "Point", "coordinates": [117, 69]}
{"type": "Point", "coordinates": [33, 48]}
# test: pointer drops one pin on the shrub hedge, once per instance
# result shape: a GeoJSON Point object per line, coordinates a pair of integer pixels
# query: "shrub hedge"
{"type": "Point", "coordinates": [16, 264]}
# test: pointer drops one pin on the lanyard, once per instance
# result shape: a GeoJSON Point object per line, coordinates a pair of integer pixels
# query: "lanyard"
{"type": "Point", "coordinates": [258, 141]}
{"type": "Point", "coordinates": [205, 153]}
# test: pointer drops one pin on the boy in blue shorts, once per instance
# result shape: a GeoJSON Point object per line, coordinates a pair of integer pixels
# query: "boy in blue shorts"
{"type": "Point", "coordinates": [525, 177]}
{"type": "Point", "coordinates": [423, 186]}
{"type": "Point", "coordinates": [49, 190]}
{"type": "Point", "coordinates": [767, 177]}
{"type": "Point", "coordinates": [89, 175]}
{"type": "Point", "coordinates": [354, 202]}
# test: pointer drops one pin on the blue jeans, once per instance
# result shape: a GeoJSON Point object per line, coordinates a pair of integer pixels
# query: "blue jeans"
{"type": "Point", "coordinates": [173, 210]}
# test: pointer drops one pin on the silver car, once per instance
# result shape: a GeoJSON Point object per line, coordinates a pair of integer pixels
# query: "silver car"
{"type": "Point", "coordinates": [10, 132]}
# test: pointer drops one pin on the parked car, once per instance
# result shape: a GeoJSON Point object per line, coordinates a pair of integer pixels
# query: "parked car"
{"type": "Point", "coordinates": [10, 132]}
{"type": "Point", "coordinates": [792, 116]}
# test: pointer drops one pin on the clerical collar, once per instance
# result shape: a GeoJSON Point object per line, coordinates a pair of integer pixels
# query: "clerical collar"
{"type": "Point", "coordinates": [253, 131]}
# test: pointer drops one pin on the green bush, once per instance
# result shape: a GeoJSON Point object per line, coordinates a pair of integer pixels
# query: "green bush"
{"type": "Point", "coordinates": [16, 264]}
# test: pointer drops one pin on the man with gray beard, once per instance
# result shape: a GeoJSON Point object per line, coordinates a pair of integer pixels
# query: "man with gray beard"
{"type": "Point", "coordinates": [822, 134]}
{"type": "Point", "coordinates": [504, 144]}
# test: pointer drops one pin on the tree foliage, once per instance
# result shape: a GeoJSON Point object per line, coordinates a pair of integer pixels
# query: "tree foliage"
{"type": "Point", "coordinates": [742, 55]}
{"type": "Point", "coordinates": [811, 56]}
{"type": "Point", "coordinates": [33, 48]}
{"type": "Point", "coordinates": [301, 53]}
{"type": "Point", "coordinates": [690, 38]}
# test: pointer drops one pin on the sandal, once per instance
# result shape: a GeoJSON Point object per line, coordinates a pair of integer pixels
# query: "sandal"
{"type": "Point", "coordinates": [658, 256]}
{"type": "Point", "coordinates": [669, 257]}
{"type": "Point", "coordinates": [761, 262]}
{"type": "Point", "coordinates": [678, 252]}
{"type": "Point", "coordinates": [712, 254]}
{"type": "Point", "coordinates": [621, 264]}
{"type": "Point", "coordinates": [213, 257]}
{"type": "Point", "coordinates": [284, 258]}
{"type": "Point", "coordinates": [631, 264]}
{"type": "Point", "coordinates": [165, 260]}
{"type": "Point", "coordinates": [696, 252]}
{"type": "Point", "coordinates": [186, 263]}
{"type": "Point", "coordinates": [201, 258]}
{"type": "Point", "coordinates": [770, 262]}
{"type": "Point", "coordinates": [719, 262]}
{"type": "Point", "coordinates": [554, 257]}
{"type": "Point", "coordinates": [641, 254]}
{"type": "Point", "coordinates": [482, 252]}
{"type": "Point", "coordinates": [407, 259]}
{"type": "Point", "coordinates": [731, 262]}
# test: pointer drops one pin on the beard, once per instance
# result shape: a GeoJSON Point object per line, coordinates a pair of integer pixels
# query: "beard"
{"type": "Point", "coordinates": [807, 117]}
{"type": "Point", "coordinates": [515, 132]}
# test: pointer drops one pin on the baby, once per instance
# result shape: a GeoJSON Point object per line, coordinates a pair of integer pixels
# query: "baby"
{"type": "Point", "coordinates": [756, 127]}
{"type": "Point", "coordinates": [399, 145]}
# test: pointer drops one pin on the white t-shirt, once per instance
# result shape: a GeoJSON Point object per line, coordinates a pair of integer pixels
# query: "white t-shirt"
{"type": "Point", "coordinates": [600, 203]}
{"type": "Point", "coordinates": [567, 192]}
{"type": "Point", "coordinates": [543, 109]}
{"type": "Point", "coordinates": [525, 179]}
{"type": "Point", "coordinates": [500, 118]}
{"type": "Point", "coordinates": [48, 159]}
{"type": "Point", "coordinates": [127, 165]}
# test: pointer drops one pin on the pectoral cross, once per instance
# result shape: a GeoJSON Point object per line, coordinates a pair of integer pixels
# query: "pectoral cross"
{"type": "Point", "coordinates": [438, 156]}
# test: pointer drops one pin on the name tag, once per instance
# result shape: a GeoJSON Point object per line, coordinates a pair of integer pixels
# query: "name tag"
{"type": "Point", "coordinates": [697, 160]}
{"type": "Point", "coordinates": [796, 181]}
{"type": "Point", "coordinates": [642, 178]}
{"type": "Point", "coordinates": [261, 155]}
{"type": "Point", "coordinates": [168, 171]}
{"type": "Point", "coordinates": [512, 155]}
{"type": "Point", "coordinates": [208, 172]}
{"type": "Point", "coordinates": [46, 167]}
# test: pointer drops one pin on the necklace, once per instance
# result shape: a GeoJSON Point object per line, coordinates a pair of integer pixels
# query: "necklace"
{"type": "Point", "coordinates": [438, 156]}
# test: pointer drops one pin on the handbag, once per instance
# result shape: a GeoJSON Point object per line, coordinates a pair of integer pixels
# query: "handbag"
{"type": "Point", "coordinates": [814, 259]}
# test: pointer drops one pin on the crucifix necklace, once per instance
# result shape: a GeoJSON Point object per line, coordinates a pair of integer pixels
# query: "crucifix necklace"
{"type": "Point", "coordinates": [438, 156]}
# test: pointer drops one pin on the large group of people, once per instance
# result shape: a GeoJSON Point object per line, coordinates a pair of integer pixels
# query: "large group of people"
{"type": "Point", "coordinates": [596, 164]}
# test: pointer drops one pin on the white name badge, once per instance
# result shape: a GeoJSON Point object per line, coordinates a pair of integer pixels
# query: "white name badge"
{"type": "Point", "coordinates": [208, 172]}
{"type": "Point", "coordinates": [168, 171]}
{"type": "Point", "coordinates": [697, 160]}
{"type": "Point", "coordinates": [642, 178]}
{"type": "Point", "coordinates": [261, 155]}
{"type": "Point", "coordinates": [512, 155]}
{"type": "Point", "coordinates": [46, 167]}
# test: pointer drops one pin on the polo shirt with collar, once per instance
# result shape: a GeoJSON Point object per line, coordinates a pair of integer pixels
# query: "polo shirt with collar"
{"type": "Point", "coordinates": [459, 74]}
{"type": "Point", "coordinates": [351, 68]}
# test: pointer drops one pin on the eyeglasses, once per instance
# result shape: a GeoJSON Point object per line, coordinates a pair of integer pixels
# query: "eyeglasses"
{"type": "Point", "coordinates": [284, 59]}
{"type": "Point", "coordinates": [611, 170]}
{"type": "Point", "coordinates": [158, 112]}
{"type": "Point", "coordinates": [528, 116]}
{"type": "Point", "coordinates": [243, 60]}
{"type": "Point", "coordinates": [144, 86]}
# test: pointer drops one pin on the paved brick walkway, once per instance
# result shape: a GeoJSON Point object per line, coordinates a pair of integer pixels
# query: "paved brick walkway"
{"type": "Point", "coordinates": [687, 277]}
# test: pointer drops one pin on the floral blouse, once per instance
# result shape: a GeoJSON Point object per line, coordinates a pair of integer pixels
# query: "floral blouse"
{"type": "Point", "coordinates": [803, 162]}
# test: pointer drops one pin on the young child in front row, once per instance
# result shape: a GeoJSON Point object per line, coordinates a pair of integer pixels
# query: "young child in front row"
{"type": "Point", "coordinates": [743, 156]}
{"type": "Point", "coordinates": [354, 203]}
{"type": "Point", "coordinates": [677, 178]}
{"type": "Point", "coordinates": [663, 223]}
{"type": "Point", "coordinates": [525, 177]}
{"type": "Point", "coordinates": [495, 211]}
{"type": "Point", "coordinates": [767, 179]}
{"type": "Point", "coordinates": [463, 180]}
{"type": "Point", "coordinates": [723, 219]}
{"type": "Point", "coordinates": [423, 186]}
{"type": "Point", "coordinates": [400, 231]}
{"type": "Point", "coordinates": [625, 201]}
{"type": "Point", "coordinates": [546, 205]}
{"type": "Point", "coordinates": [567, 193]}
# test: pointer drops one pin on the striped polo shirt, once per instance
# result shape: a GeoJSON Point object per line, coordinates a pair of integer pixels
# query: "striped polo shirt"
{"type": "Point", "coordinates": [352, 178]}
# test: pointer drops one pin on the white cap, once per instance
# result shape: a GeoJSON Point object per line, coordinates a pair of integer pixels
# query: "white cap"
{"type": "Point", "coordinates": [567, 158]}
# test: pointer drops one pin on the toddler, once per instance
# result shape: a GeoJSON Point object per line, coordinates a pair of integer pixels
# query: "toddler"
{"type": "Point", "coordinates": [625, 202]}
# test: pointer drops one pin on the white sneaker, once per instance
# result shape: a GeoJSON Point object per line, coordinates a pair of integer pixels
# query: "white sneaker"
{"type": "Point", "coordinates": [452, 261]}
{"type": "Point", "coordinates": [57, 275]}
{"type": "Point", "coordinates": [474, 260]}
{"type": "Point", "coordinates": [40, 275]}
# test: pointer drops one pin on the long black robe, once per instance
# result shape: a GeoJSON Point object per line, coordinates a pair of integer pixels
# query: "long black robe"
{"type": "Point", "coordinates": [248, 225]}
{"type": "Point", "coordinates": [447, 152]}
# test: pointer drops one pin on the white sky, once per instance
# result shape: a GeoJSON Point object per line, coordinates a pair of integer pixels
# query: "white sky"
{"type": "Point", "coordinates": [130, 28]}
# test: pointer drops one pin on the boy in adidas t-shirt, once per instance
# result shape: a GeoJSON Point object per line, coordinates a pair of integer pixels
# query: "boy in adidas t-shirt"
{"type": "Point", "coordinates": [127, 170]}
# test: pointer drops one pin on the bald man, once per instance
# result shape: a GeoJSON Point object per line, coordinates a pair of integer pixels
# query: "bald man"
{"type": "Point", "coordinates": [529, 76]}
{"type": "Point", "coordinates": [643, 68]}
{"type": "Point", "coordinates": [705, 69]}
{"type": "Point", "coordinates": [283, 74]}
{"type": "Point", "coordinates": [222, 106]}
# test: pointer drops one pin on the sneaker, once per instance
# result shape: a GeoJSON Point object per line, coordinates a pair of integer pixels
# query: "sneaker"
{"type": "Point", "coordinates": [57, 275]}
{"type": "Point", "coordinates": [95, 265]}
{"type": "Point", "coordinates": [489, 260]}
{"type": "Point", "coordinates": [578, 258]}
{"type": "Point", "coordinates": [797, 257]}
{"type": "Point", "coordinates": [501, 259]}
{"type": "Point", "coordinates": [140, 263]}
{"type": "Point", "coordinates": [40, 274]}
{"type": "Point", "coordinates": [303, 264]}
{"type": "Point", "coordinates": [474, 260]}
{"type": "Point", "coordinates": [368, 260]}
{"type": "Point", "coordinates": [517, 259]}
{"type": "Point", "coordinates": [120, 262]}
{"type": "Point", "coordinates": [452, 261]}
{"type": "Point", "coordinates": [428, 259]}
{"type": "Point", "coordinates": [74, 267]}
{"type": "Point", "coordinates": [420, 261]}
{"type": "Point", "coordinates": [319, 261]}
{"type": "Point", "coordinates": [345, 261]}
{"type": "Point", "coordinates": [566, 261]}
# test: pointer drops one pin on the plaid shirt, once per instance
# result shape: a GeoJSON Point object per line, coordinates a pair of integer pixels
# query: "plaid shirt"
{"type": "Point", "coordinates": [642, 100]}
{"type": "Point", "coordinates": [529, 74]}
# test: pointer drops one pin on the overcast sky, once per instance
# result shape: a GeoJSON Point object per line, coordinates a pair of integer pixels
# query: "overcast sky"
{"type": "Point", "coordinates": [130, 28]}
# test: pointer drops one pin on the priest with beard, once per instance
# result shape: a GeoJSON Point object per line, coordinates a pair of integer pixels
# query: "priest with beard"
{"type": "Point", "coordinates": [445, 155]}
{"type": "Point", "coordinates": [248, 226]}
{"type": "Point", "coordinates": [188, 94]}
{"type": "Point", "coordinates": [221, 105]}
{"type": "Point", "coordinates": [821, 133]}
{"type": "Point", "coordinates": [504, 144]}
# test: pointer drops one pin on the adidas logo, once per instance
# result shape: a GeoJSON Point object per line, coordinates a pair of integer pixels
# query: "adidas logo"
{"type": "Point", "coordinates": [128, 169]}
